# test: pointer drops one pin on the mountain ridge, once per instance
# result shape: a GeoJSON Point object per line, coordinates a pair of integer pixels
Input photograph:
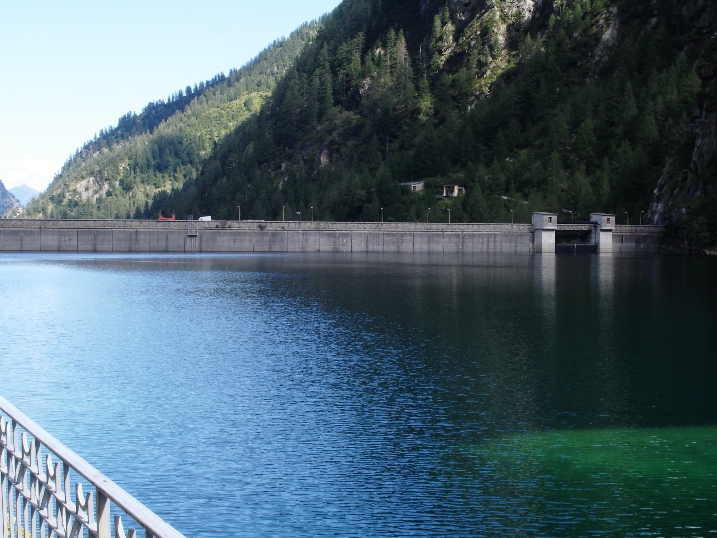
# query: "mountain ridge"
{"type": "Point", "coordinates": [558, 105]}
{"type": "Point", "coordinates": [570, 107]}
{"type": "Point", "coordinates": [130, 169]}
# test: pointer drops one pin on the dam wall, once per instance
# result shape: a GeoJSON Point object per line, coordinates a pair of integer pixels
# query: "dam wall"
{"type": "Point", "coordinates": [645, 238]}
{"type": "Point", "coordinates": [145, 236]}
{"type": "Point", "coordinates": [25, 235]}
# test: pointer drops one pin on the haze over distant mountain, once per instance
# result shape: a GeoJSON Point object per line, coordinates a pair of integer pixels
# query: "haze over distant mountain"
{"type": "Point", "coordinates": [7, 200]}
{"type": "Point", "coordinates": [532, 105]}
{"type": "Point", "coordinates": [24, 194]}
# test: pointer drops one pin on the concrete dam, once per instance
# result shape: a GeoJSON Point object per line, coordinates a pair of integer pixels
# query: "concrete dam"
{"type": "Point", "coordinates": [191, 236]}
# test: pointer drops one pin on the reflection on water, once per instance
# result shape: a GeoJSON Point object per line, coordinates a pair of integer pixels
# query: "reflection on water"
{"type": "Point", "coordinates": [374, 394]}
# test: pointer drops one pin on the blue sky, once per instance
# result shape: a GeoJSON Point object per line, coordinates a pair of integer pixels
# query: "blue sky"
{"type": "Point", "coordinates": [70, 68]}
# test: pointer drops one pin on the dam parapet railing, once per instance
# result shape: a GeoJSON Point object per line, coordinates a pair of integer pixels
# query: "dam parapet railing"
{"type": "Point", "coordinates": [228, 236]}
{"type": "Point", "coordinates": [260, 225]}
{"type": "Point", "coordinates": [42, 490]}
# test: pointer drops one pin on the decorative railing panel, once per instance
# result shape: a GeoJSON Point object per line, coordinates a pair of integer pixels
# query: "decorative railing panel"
{"type": "Point", "coordinates": [41, 492]}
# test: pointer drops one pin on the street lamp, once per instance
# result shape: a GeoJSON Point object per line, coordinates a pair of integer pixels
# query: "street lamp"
{"type": "Point", "coordinates": [299, 213]}
{"type": "Point", "coordinates": [627, 219]}
{"type": "Point", "coordinates": [641, 212]}
{"type": "Point", "coordinates": [239, 209]}
{"type": "Point", "coordinates": [381, 215]}
{"type": "Point", "coordinates": [511, 216]}
{"type": "Point", "coordinates": [427, 210]}
{"type": "Point", "coordinates": [449, 214]}
{"type": "Point", "coordinates": [283, 208]}
{"type": "Point", "coordinates": [128, 214]}
{"type": "Point", "coordinates": [312, 213]}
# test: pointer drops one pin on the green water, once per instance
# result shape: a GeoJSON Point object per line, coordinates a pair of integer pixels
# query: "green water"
{"type": "Point", "coordinates": [656, 481]}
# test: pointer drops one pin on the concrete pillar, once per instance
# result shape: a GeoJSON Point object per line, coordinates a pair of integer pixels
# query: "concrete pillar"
{"type": "Point", "coordinates": [544, 226]}
{"type": "Point", "coordinates": [605, 224]}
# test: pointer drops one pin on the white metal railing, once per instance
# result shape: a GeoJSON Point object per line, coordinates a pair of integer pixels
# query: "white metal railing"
{"type": "Point", "coordinates": [36, 495]}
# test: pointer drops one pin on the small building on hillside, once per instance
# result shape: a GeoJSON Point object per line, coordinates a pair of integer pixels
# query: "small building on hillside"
{"type": "Point", "coordinates": [451, 191]}
{"type": "Point", "coordinates": [414, 186]}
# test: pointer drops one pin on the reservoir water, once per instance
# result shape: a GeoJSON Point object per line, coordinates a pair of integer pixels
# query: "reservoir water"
{"type": "Point", "coordinates": [320, 394]}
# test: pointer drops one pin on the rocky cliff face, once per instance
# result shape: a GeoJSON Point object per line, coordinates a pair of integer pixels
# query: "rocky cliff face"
{"type": "Point", "coordinates": [468, 9]}
{"type": "Point", "coordinates": [7, 200]}
{"type": "Point", "coordinates": [700, 14]}
{"type": "Point", "coordinates": [483, 26]}
{"type": "Point", "coordinates": [684, 186]}
{"type": "Point", "coordinates": [703, 164]}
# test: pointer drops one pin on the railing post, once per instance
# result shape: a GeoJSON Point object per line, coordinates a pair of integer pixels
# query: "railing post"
{"type": "Point", "coordinates": [103, 516]}
{"type": "Point", "coordinates": [3, 505]}
{"type": "Point", "coordinates": [67, 492]}
{"type": "Point", "coordinates": [11, 465]}
{"type": "Point", "coordinates": [4, 465]}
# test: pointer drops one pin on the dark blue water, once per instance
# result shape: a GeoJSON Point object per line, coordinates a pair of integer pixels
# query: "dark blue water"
{"type": "Point", "coordinates": [378, 395]}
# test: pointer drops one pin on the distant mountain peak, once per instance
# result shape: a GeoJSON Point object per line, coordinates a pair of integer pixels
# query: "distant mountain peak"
{"type": "Point", "coordinates": [24, 194]}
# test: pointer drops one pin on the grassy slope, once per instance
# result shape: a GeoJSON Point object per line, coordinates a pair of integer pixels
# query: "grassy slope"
{"type": "Point", "coordinates": [131, 169]}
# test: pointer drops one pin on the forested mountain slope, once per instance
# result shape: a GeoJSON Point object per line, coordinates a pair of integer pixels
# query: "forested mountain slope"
{"type": "Point", "coordinates": [129, 170]}
{"type": "Point", "coordinates": [562, 106]}
{"type": "Point", "coordinates": [531, 105]}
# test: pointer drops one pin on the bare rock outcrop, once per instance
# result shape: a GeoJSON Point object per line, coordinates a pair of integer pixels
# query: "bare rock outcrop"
{"type": "Point", "coordinates": [679, 187]}
{"type": "Point", "coordinates": [7, 201]}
